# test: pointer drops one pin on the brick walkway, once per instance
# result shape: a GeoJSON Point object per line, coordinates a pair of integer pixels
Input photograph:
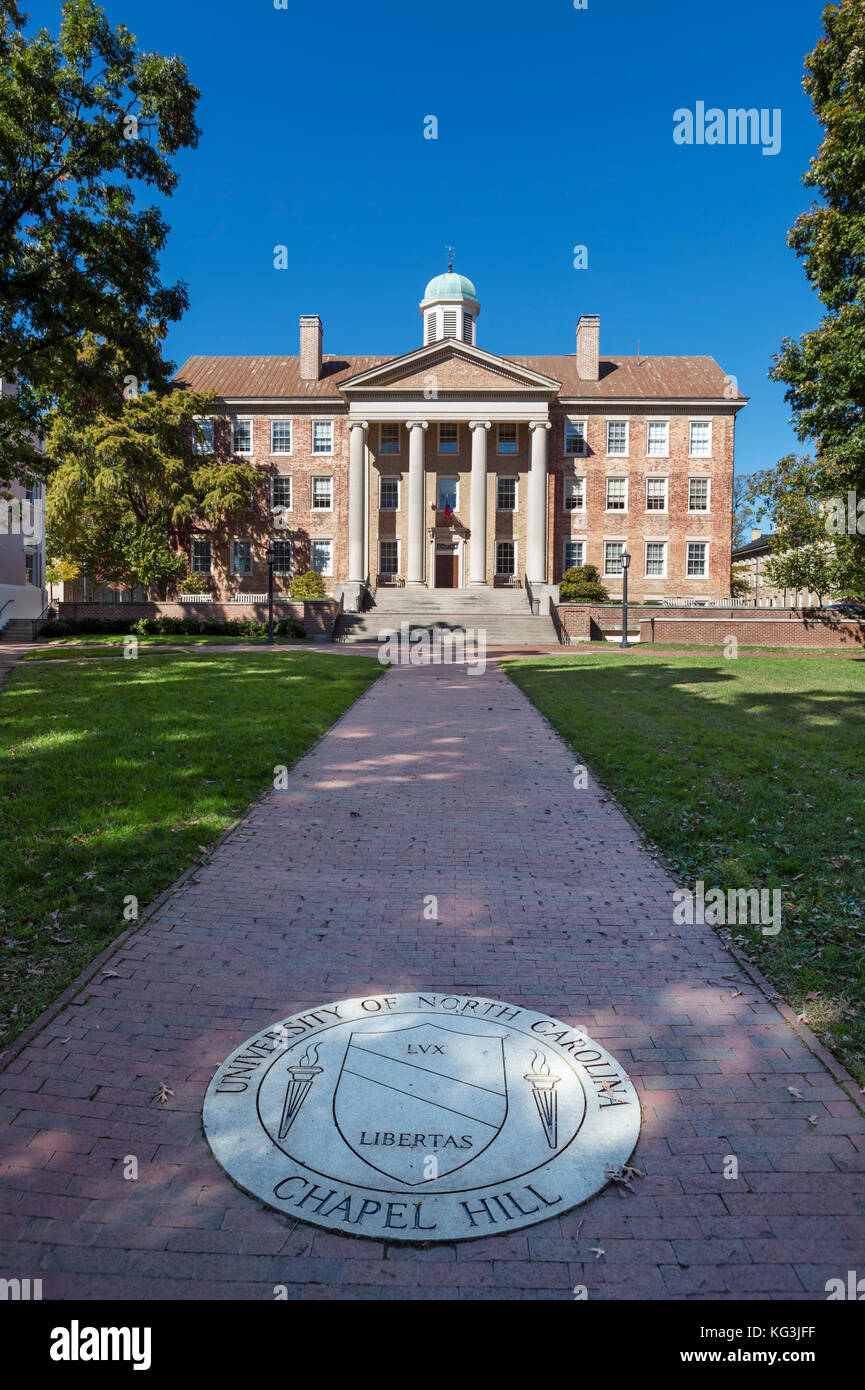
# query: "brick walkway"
{"type": "Point", "coordinates": [446, 783]}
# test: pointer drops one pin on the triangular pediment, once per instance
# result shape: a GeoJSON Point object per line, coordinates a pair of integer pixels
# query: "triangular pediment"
{"type": "Point", "coordinates": [458, 368]}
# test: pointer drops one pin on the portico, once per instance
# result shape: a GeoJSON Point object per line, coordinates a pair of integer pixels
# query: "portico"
{"type": "Point", "coordinates": [417, 423]}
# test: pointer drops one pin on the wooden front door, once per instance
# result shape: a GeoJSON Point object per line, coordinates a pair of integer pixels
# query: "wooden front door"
{"type": "Point", "coordinates": [447, 570]}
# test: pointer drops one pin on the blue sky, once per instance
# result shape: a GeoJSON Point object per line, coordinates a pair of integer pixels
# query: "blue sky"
{"type": "Point", "coordinates": [555, 129]}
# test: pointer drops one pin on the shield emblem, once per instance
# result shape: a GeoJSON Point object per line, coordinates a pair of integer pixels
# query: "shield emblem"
{"type": "Point", "coordinates": [409, 1093]}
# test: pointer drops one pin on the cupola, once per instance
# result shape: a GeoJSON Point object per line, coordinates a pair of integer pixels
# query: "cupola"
{"type": "Point", "coordinates": [450, 308]}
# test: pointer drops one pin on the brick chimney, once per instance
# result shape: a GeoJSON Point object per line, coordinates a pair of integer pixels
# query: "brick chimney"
{"type": "Point", "coordinates": [588, 346]}
{"type": "Point", "coordinates": [756, 535]}
{"type": "Point", "coordinates": [310, 347]}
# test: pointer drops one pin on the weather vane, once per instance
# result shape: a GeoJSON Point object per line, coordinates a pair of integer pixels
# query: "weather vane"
{"type": "Point", "coordinates": [451, 253]}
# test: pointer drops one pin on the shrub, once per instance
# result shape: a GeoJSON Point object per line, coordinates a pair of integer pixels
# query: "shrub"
{"type": "Point", "coordinates": [308, 585]}
{"type": "Point", "coordinates": [194, 584]}
{"type": "Point", "coordinates": [289, 627]}
{"type": "Point", "coordinates": [582, 584]}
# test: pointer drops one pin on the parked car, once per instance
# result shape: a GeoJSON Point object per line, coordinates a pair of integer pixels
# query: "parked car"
{"type": "Point", "coordinates": [847, 607]}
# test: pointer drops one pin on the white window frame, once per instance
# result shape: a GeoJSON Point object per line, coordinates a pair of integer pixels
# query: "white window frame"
{"type": "Point", "coordinates": [666, 427]}
{"type": "Point", "coordinates": [510, 478]}
{"type": "Point", "coordinates": [619, 420]}
{"type": "Point", "coordinates": [242, 540]}
{"type": "Point", "coordinates": [666, 548]}
{"type": "Point", "coordinates": [282, 420]}
{"type": "Point", "coordinates": [321, 453]}
{"type": "Point", "coordinates": [615, 478]}
{"type": "Point", "coordinates": [196, 448]}
{"type": "Point", "coordinates": [571, 479]}
{"type": "Point", "coordinates": [288, 506]}
{"type": "Point", "coordinates": [452, 478]}
{"type": "Point", "coordinates": [572, 540]}
{"type": "Point", "coordinates": [505, 540]}
{"type": "Point", "coordinates": [699, 420]}
{"type": "Point", "coordinates": [508, 450]}
{"type": "Point", "coordinates": [576, 453]}
{"type": "Point", "coordinates": [614, 540]}
{"type": "Point", "coordinates": [200, 540]}
{"type": "Point", "coordinates": [381, 441]}
{"type": "Point", "coordinates": [699, 540]}
{"type": "Point", "coordinates": [389, 478]}
{"type": "Point", "coordinates": [700, 478]}
{"type": "Point", "coordinates": [449, 424]}
{"type": "Point", "coordinates": [390, 540]}
{"type": "Point", "coordinates": [320, 478]}
{"type": "Point", "coordinates": [241, 420]}
{"type": "Point", "coordinates": [283, 540]}
{"type": "Point", "coordinates": [322, 540]}
{"type": "Point", "coordinates": [658, 478]}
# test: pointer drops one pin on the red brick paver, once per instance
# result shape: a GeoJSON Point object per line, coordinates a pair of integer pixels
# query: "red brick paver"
{"type": "Point", "coordinates": [436, 782]}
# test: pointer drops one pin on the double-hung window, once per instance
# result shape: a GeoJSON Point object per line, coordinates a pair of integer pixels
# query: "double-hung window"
{"type": "Point", "coordinates": [202, 436]}
{"type": "Point", "coordinates": [241, 557]}
{"type": "Point", "coordinates": [575, 437]}
{"type": "Point", "coordinates": [656, 494]}
{"type": "Point", "coordinates": [698, 494]}
{"type": "Point", "coordinates": [241, 436]}
{"type": "Point", "coordinates": [389, 438]}
{"type": "Point", "coordinates": [281, 556]}
{"type": "Point", "coordinates": [322, 436]}
{"type": "Point", "coordinates": [613, 551]}
{"type": "Point", "coordinates": [657, 439]}
{"type": "Point", "coordinates": [507, 439]}
{"type": "Point", "coordinates": [698, 560]}
{"type": "Point", "coordinates": [280, 490]}
{"type": "Point", "coordinates": [617, 438]}
{"type": "Point", "coordinates": [575, 494]}
{"type": "Point", "coordinates": [280, 436]}
{"type": "Point", "coordinates": [701, 439]}
{"type": "Point", "coordinates": [449, 439]}
{"type": "Point", "coordinates": [322, 494]}
{"type": "Point", "coordinates": [506, 494]}
{"type": "Point", "coordinates": [617, 494]}
{"type": "Point", "coordinates": [388, 497]}
{"type": "Point", "coordinates": [322, 556]}
{"type": "Point", "coordinates": [574, 551]}
{"type": "Point", "coordinates": [656, 559]}
{"type": "Point", "coordinates": [200, 556]}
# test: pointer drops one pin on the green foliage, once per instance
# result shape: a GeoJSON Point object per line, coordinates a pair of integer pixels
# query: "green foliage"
{"type": "Point", "coordinates": [85, 119]}
{"type": "Point", "coordinates": [825, 369]}
{"type": "Point", "coordinates": [194, 584]}
{"type": "Point", "coordinates": [308, 585]}
{"type": "Point", "coordinates": [805, 554]}
{"type": "Point", "coordinates": [129, 488]}
{"type": "Point", "coordinates": [582, 584]}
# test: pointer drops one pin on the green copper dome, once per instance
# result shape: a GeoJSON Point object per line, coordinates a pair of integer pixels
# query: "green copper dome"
{"type": "Point", "coordinates": [450, 286]}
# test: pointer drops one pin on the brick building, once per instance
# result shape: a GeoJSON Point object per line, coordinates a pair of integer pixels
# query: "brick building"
{"type": "Point", "coordinates": [454, 467]}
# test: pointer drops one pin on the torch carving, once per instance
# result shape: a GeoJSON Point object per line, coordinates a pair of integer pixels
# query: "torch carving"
{"type": "Point", "coordinates": [301, 1076]}
{"type": "Point", "coordinates": [544, 1091]}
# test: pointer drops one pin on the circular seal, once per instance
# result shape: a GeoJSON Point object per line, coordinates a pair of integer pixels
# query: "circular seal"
{"type": "Point", "coordinates": [421, 1117]}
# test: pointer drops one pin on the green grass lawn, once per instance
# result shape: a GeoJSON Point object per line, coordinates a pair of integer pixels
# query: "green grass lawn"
{"type": "Point", "coordinates": [80, 647]}
{"type": "Point", "coordinates": [747, 773]}
{"type": "Point", "coordinates": [114, 774]}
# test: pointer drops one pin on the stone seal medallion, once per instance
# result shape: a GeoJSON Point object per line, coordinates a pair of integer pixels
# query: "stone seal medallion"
{"type": "Point", "coordinates": [421, 1117]}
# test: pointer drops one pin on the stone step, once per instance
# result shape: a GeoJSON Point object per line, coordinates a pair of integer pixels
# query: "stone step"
{"type": "Point", "coordinates": [520, 629]}
{"type": "Point", "coordinates": [422, 600]}
{"type": "Point", "coordinates": [21, 630]}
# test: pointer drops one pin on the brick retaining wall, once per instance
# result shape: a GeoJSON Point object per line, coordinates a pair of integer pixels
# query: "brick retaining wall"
{"type": "Point", "coordinates": [796, 630]}
{"type": "Point", "coordinates": [318, 618]}
{"type": "Point", "coordinates": [776, 627]}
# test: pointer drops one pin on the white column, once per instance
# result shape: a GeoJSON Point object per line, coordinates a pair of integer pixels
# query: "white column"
{"type": "Point", "coordinates": [416, 528]}
{"type": "Point", "coordinates": [357, 569]}
{"type": "Point", "coordinates": [478, 539]}
{"type": "Point", "coordinates": [536, 519]}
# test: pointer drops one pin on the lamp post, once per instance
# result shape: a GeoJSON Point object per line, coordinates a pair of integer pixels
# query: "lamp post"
{"type": "Point", "coordinates": [626, 560]}
{"type": "Point", "coordinates": [269, 557]}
